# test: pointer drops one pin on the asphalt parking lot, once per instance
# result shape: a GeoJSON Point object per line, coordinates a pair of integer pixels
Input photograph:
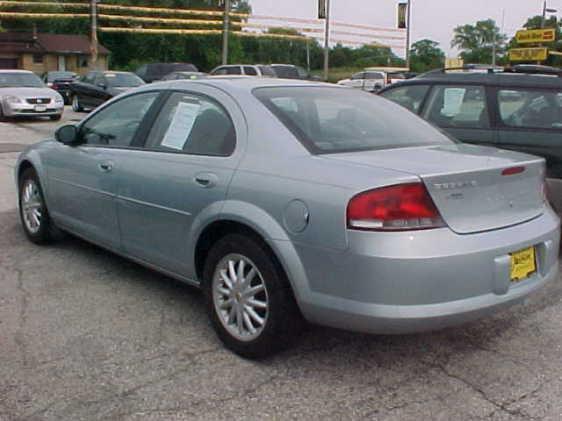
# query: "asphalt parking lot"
{"type": "Point", "coordinates": [87, 335]}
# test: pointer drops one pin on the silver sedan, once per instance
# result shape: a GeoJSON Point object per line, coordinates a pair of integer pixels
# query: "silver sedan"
{"type": "Point", "coordinates": [288, 201]}
{"type": "Point", "coordinates": [23, 94]}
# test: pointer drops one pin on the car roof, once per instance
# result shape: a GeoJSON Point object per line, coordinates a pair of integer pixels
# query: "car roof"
{"type": "Point", "coordinates": [502, 79]}
{"type": "Point", "coordinates": [244, 83]}
{"type": "Point", "coordinates": [15, 71]}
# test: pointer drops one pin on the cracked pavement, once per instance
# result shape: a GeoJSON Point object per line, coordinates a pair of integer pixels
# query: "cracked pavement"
{"type": "Point", "coordinates": [87, 335]}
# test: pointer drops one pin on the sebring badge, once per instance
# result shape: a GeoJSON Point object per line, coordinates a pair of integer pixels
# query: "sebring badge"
{"type": "Point", "coordinates": [455, 185]}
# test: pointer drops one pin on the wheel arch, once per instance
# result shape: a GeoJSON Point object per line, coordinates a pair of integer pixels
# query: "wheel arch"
{"type": "Point", "coordinates": [242, 217]}
{"type": "Point", "coordinates": [31, 159]}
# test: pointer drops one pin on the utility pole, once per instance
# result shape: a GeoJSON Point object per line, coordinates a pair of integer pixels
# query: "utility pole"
{"type": "Point", "coordinates": [226, 25]}
{"type": "Point", "coordinates": [94, 34]}
{"type": "Point", "coordinates": [327, 41]}
{"type": "Point", "coordinates": [308, 55]}
{"type": "Point", "coordinates": [543, 20]}
{"type": "Point", "coordinates": [408, 34]}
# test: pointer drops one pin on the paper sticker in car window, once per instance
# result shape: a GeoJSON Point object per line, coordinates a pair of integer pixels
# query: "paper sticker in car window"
{"type": "Point", "coordinates": [452, 101]}
{"type": "Point", "coordinates": [181, 126]}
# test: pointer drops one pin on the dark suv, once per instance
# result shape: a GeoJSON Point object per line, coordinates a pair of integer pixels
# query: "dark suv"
{"type": "Point", "coordinates": [518, 108]}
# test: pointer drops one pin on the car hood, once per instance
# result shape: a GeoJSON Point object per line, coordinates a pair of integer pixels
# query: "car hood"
{"type": "Point", "coordinates": [29, 92]}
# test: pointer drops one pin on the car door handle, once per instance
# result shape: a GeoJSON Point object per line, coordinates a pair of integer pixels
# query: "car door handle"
{"type": "Point", "coordinates": [206, 180]}
{"type": "Point", "coordinates": [105, 166]}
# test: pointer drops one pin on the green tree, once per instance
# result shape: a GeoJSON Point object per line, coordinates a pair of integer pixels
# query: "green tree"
{"type": "Point", "coordinates": [426, 55]}
{"type": "Point", "coordinates": [476, 42]}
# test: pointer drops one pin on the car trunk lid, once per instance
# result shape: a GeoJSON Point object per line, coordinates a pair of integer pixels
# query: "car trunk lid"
{"type": "Point", "coordinates": [475, 188]}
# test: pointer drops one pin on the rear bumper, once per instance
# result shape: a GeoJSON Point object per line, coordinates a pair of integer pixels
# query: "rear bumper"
{"type": "Point", "coordinates": [418, 281]}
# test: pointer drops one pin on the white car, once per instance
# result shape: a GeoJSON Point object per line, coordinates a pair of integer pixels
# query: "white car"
{"type": "Point", "coordinates": [23, 94]}
{"type": "Point", "coordinates": [366, 81]}
{"type": "Point", "coordinates": [244, 69]}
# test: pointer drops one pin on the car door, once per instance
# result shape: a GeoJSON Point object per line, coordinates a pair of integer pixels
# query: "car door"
{"type": "Point", "coordinates": [462, 111]}
{"type": "Point", "coordinates": [83, 179]}
{"type": "Point", "coordinates": [81, 88]}
{"type": "Point", "coordinates": [530, 120]}
{"type": "Point", "coordinates": [182, 173]}
{"type": "Point", "coordinates": [100, 90]}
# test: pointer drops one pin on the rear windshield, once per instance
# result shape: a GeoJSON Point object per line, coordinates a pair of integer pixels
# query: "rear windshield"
{"type": "Point", "coordinates": [52, 76]}
{"type": "Point", "coordinates": [17, 80]}
{"type": "Point", "coordinates": [123, 80]}
{"type": "Point", "coordinates": [331, 120]}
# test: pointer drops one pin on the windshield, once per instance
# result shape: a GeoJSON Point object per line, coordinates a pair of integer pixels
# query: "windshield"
{"type": "Point", "coordinates": [52, 76]}
{"type": "Point", "coordinates": [20, 80]}
{"type": "Point", "coordinates": [328, 120]}
{"type": "Point", "coordinates": [123, 80]}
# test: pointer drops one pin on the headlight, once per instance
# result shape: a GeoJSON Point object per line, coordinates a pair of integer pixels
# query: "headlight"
{"type": "Point", "coordinates": [59, 101]}
{"type": "Point", "coordinates": [13, 100]}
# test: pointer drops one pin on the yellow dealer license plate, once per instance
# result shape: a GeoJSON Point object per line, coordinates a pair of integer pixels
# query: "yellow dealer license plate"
{"type": "Point", "coordinates": [523, 264]}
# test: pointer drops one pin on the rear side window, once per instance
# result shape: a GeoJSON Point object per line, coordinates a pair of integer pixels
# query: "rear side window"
{"type": "Point", "coordinates": [330, 120]}
{"type": "Point", "coordinates": [410, 97]}
{"type": "Point", "coordinates": [458, 107]}
{"type": "Point", "coordinates": [530, 108]}
{"type": "Point", "coordinates": [192, 124]}
{"type": "Point", "coordinates": [249, 70]}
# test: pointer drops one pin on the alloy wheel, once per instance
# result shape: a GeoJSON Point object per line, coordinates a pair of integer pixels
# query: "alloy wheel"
{"type": "Point", "coordinates": [32, 206]}
{"type": "Point", "coordinates": [240, 297]}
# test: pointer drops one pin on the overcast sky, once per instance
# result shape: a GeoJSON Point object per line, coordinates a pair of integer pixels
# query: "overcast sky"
{"type": "Point", "coordinates": [434, 19]}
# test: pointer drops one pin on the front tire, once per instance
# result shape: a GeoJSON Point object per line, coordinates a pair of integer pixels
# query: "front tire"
{"type": "Point", "coordinates": [76, 106]}
{"type": "Point", "coordinates": [249, 300]}
{"type": "Point", "coordinates": [35, 219]}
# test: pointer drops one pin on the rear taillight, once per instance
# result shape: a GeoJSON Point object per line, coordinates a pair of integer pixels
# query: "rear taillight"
{"type": "Point", "coordinates": [394, 208]}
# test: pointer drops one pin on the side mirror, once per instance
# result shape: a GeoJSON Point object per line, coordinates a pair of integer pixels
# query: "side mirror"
{"type": "Point", "coordinates": [67, 135]}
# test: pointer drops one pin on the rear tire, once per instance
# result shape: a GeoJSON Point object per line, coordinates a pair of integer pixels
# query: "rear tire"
{"type": "Point", "coordinates": [76, 106]}
{"type": "Point", "coordinates": [34, 216]}
{"type": "Point", "coordinates": [259, 291]}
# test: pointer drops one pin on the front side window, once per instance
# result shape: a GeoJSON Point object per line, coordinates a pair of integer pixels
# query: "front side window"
{"type": "Point", "coordinates": [328, 120]}
{"type": "Point", "coordinates": [219, 71]}
{"type": "Point", "coordinates": [250, 71]}
{"type": "Point", "coordinates": [117, 124]}
{"type": "Point", "coordinates": [194, 125]}
{"type": "Point", "coordinates": [458, 107]}
{"type": "Point", "coordinates": [233, 70]}
{"type": "Point", "coordinates": [410, 97]}
{"type": "Point", "coordinates": [357, 76]}
{"type": "Point", "coordinates": [267, 71]}
{"type": "Point", "coordinates": [530, 108]}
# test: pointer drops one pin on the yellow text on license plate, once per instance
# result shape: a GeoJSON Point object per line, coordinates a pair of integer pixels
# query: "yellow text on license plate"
{"type": "Point", "coordinates": [523, 264]}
